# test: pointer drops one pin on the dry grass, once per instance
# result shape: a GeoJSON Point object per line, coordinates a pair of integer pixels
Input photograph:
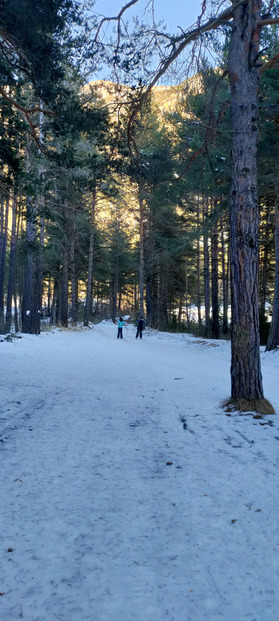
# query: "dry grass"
{"type": "Point", "coordinates": [261, 406]}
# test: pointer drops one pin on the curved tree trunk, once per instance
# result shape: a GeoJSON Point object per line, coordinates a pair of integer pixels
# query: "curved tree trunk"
{"type": "Point", "coordinates": [246, 379]}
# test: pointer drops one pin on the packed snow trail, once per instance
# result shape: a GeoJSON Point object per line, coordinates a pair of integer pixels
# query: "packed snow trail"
{"type": "Point", "coordinates": [127, 494]}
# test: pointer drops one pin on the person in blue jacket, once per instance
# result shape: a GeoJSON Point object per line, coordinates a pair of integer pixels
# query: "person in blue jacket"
{"type": "Point", "coordinates": [121, 323]}
{"type": "Point", "coordinates": [140, 327]}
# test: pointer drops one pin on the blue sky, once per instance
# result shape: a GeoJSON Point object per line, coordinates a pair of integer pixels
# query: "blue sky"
{"type": "Point", "coordinates": [174, 12]}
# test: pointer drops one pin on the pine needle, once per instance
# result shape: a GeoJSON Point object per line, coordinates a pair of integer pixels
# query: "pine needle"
{"type": "Point", "coordinates": [261, 406]}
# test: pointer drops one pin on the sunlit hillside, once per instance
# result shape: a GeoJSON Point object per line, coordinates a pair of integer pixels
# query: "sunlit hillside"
{"type": "Point", "coordinates": [165, 97]}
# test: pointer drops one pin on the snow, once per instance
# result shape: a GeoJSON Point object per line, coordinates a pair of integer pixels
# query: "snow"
{"type": "Point", "coordinates": [127, 493]}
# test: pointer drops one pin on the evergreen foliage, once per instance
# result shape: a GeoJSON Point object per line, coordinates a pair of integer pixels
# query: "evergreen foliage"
{"type": "Point", "coordinates": [93, 225]}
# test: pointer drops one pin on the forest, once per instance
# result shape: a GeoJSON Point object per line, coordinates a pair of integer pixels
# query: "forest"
{"type": "Point", "coordinates": [123, 197]}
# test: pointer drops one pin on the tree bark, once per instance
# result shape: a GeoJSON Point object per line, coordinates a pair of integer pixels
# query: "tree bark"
{"type": "Point", "coordinates": [141, 263]}
{"type": "Point", "coordinates": [65, 270]}
{"type": "Point", "coordinates": [199, 267]}
{"type": "Point", "coordinates": [264, 264]}
{"type": "Point", "coordinates": [55, 301]}
{"type": "Point", "coordinates": [187, 301]}
{"type": "Point", "coordinates": [273, 337]}
{"type": "Point", "coordinates": [16, 314]}
{"type": "Point", "coordinates": [49, 297]}
{"type": "Point", "coordinates": [30, 315]}
{"type": "Point", "coordinates": [88, 303]}
{"type": "Point", "coordinates": [215, 329]}
{"type": "Point", "coordinates": [74, 289]}
{"type": "Point", "coordinates": [40, 267]}
{"type": "Point", "coordinates": [163, 302]}
{"type": "Point", "coordinates": [206, 272]}
{"type": "Point", "coordinates": [150, 269]}
{"type": "Point", "coordinates": [246, 378]}
{"type": "Point", "coordinates": [3, 249]}
{"type": "Point", "coordinates": [11, 279]}
{"type": "Point", "coordinates": [114, 290]}
{"type": "Point", "coordinates": [225, 279]}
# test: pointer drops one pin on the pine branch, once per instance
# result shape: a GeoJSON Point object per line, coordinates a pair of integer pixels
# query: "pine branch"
{"type": "Point", "coordinates": [184, 39]}
{"type": "Point", "coordinates": [25, 112]}
{"type": "Point", "coordinates": [22, 109]}
{"type": "Point", "coordinates": [210, 135]}
{"type": "Point", "coordinates": [270, 63]}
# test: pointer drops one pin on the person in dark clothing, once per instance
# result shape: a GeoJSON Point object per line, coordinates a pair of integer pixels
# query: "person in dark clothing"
{"type": "Point", "coordinates": [140, 327]}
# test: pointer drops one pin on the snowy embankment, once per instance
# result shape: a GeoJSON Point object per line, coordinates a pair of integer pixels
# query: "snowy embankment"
{"type": "Point", "coordinates": [127, 494]}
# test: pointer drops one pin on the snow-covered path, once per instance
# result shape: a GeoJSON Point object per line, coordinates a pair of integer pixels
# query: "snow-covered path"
{"type": "Point", "coordinates": [126, 492]}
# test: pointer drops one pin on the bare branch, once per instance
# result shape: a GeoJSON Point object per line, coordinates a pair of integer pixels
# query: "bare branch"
{"type": "Point", "coordinates": [268, 21]}
{"type": "Point", "coordinates": [125, 7]}
{"type": "Point", "coordinates": [117, 18]}
{"type": "Point", "coordinates": [271, 5]}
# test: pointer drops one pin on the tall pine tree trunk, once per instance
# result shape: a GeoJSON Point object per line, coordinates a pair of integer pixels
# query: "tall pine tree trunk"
{"type": "Point", "coordinates": [149, 268]}
{"type": "Point", "coordinates": [16, 316]}
{"type": "Point", "coordinates": [65, 270]}
{"type": "Point", "coordinates": [49, 297]}
{"type": "Point", "coordinates": [64, 291]}
{"type": "Point", "coordinates": [74, 288]}
{"type": "Point", "coordinates": [3, 250]}
{"type": "Point", "coordinates": [141, 260]}
{"type": "Point", "coordinates": [264, 269]}
{"type": "Point", "coordinates": [163, 300]}
{"type": "Point", "coordinates": [40, 267]}
{"type": "Point", "coordinates": [30, 315]}
{"type": "Point", "coordinates": [55, 301]}
{"type": "Point", "coordinates": [206, 271]}
{"type": "Point", "coordinates": [246, 378]}
{"type": "Point", "coordinates": [214, 288]}
{"type": "Point", "coordinates": [199, 268]}
{"type": "Point", "coordinates": [88, 303]}
{"type": "Point", "coordinates": [225, 270]}
{"type": "Point", "coordinates": [187, 300]}
{"type": "Point", "coordinates": [114, 291]}
{"type": "Point", "coordinates": [273, 337]}
{"type": "Point", "coordinates": [11, 279]}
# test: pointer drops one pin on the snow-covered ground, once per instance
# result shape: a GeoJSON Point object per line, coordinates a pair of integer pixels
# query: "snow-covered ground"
{"type": "Point", "coordinates": [127, 493]}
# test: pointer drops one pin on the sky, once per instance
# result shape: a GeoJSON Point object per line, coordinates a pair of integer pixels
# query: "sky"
{"type": "Point", "coordinates": [175, 12]}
